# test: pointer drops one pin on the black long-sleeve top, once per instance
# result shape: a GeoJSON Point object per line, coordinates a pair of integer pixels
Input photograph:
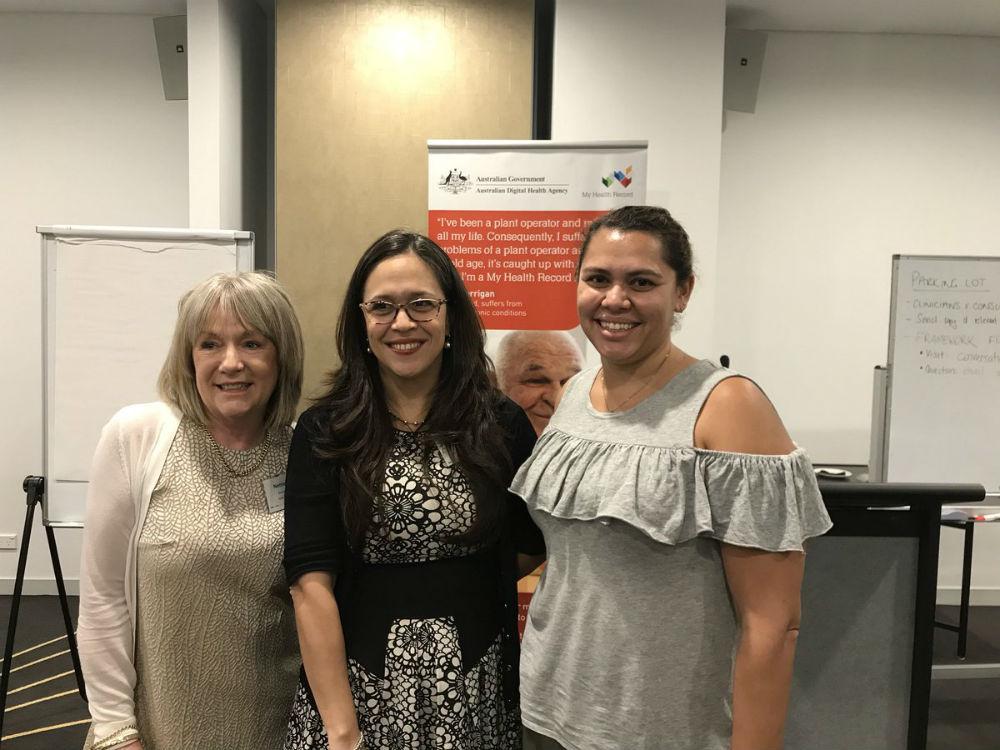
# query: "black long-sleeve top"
{"type": "Point", "coordinates": [371, 596]}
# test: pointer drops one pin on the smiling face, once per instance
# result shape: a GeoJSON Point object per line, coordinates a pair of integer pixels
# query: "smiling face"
{"type": "Point", "coordinates": [533, 370]}
{"type": "Point", "coordinates": [405, 349]}
{"type": "Point", "coordinates": [236, 370]}
{"type": "Point", "coordinates": [627, 296]}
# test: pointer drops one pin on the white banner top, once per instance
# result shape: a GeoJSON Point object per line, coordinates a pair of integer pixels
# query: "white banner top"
{"type": "Point", "coordinates": [459, 145]}
{"type": "Point", "coordinates": [535, 175]}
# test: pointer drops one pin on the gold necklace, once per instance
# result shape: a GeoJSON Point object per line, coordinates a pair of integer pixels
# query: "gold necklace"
{"type": "Point", "coordinates": [415, 424]}
{"type": "Point", "coordinates": [646, 382]}
{"type": "Point", "coordinates": [265, 446]}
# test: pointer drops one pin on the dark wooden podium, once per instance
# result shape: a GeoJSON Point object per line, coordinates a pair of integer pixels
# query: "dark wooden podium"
{"type": "Point", "coordinates": [863, 664]}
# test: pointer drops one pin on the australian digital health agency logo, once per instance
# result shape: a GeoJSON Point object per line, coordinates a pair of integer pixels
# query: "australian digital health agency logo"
{"type": "Point", "coordinates": [624, 178]}
{"type": "Point", "coordinates": [455, 182]}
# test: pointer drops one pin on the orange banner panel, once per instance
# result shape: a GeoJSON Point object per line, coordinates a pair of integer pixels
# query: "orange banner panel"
{"type": "Point", "coordinates": [519, 266]}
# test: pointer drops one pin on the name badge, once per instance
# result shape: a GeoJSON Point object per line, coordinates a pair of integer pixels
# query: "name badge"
{"type": "Point", "coordinates": [274, 491]}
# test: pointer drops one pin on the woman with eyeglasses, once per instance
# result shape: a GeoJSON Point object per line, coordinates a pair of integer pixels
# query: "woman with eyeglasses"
{"type": "Point", "coordinates": [402, 544]}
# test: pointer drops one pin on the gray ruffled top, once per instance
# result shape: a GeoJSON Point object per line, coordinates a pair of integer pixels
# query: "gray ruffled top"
{"type": "Point", "coordinates": [631, 632]}
{"type": "Point", "coordinates": [639, 467]}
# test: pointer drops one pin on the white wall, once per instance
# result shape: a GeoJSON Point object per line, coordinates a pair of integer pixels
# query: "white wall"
{"type": "Point", "coordinates": [228, 116]}
{"type": "Point", "coordinates": [862, 146]}
{"type": "Point", "coordinates": [86, 137]}
{"type": "Point", "coordinates": [652, 69]}
{"type": "Point", "coordinates": [204, 115]}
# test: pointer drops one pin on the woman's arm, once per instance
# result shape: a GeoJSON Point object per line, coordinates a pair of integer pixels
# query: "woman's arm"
{"type": "Point", "coordinates": [321, 640]}
{"type": "Point", "coordinates": [315, 552]}
{"type": "Point", "coordinates": [104, 633]}
{"type": "Point", "coordinates": [765, 589]}
{"type": "Point", "coordinates": [765, 586]}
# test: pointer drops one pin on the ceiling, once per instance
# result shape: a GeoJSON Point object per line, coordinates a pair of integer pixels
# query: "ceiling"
{"type": "Point", "coordinates": [964, 17]}
{"type": "Point", "coordinates": [133, 7]}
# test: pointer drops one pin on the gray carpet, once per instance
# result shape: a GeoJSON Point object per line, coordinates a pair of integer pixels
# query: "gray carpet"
{"type": "Point", "coordinates": [965, 714]}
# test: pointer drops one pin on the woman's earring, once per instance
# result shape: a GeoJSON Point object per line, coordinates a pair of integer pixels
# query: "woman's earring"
{"type": "Point", "coordinates": [368, 347]}
{"type": "Point", "coordinates": [447, 342]}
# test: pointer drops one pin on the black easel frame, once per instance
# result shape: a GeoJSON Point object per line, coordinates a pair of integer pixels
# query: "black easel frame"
{"type": "Point", "coordinates": [34, 488]}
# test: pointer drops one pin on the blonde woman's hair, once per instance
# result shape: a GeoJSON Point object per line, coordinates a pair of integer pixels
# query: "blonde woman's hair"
{"type": "Point", "coordinates": [259, 303]}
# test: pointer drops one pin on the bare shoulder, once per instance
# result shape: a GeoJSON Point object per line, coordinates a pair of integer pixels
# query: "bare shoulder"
{"type": "Point", "coordinates": [739, 418]}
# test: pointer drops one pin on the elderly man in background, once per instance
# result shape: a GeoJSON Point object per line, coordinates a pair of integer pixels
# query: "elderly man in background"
{"type": "Point", "coordinates": [532, 368]}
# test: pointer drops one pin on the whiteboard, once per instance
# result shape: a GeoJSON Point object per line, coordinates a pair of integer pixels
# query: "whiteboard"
{"type": "Point", "coordinates": [943, 404]}
{"type": "Point", "coordinates": [109, 305]}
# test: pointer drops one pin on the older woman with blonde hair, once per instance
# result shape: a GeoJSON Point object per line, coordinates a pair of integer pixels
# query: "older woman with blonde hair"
{"type": "Point", "coordinates": [186, 631]}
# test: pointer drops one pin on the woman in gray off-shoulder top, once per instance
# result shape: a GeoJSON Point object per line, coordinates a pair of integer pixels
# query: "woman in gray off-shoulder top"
{"type": "Point", "coordinates": [674, 508]}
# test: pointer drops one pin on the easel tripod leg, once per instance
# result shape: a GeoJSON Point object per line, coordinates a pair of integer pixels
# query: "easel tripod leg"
{"type": "Point", "coordinates": [15, 603]}
{"type": "Point", "coordinates": [67, 620]}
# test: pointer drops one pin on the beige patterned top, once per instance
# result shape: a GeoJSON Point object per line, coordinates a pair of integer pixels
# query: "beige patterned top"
{"type": "Point", "coordinates": [216, 653]}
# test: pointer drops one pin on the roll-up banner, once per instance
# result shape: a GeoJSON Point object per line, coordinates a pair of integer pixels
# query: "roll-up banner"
{"type": "Point", "coordinates": [511, 214]}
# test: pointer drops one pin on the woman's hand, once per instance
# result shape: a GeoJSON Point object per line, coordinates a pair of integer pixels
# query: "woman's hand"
{"type": "Point", "coordinates": [133, 745]}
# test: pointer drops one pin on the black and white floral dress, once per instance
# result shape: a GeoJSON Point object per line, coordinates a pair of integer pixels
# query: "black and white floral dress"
{"type": "Point", "coordinates": [428, 623]}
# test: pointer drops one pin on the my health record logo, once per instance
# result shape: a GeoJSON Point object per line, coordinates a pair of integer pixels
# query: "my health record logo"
{"type": "Point", "coordinates": [625, 178]}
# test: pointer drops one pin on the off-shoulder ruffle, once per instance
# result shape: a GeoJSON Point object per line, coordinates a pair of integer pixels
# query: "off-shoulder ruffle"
{"type": "Point", "coordinates": [675, 494]}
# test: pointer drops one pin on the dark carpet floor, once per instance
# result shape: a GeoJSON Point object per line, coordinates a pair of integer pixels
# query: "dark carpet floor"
{"type": "Point", "coordinates": [965, 714]}
{"type": "Point", "coordinates": [59, 720]}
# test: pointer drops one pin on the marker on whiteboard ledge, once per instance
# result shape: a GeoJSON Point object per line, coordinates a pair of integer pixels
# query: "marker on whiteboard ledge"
{"type": "Point", "coordinates": [831, 472]}
{"type": "Point", "coordinates": [988, 517]}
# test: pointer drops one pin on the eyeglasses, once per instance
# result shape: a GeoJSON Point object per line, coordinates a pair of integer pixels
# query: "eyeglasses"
{"type": "Point", "coordinates": [383, 311]}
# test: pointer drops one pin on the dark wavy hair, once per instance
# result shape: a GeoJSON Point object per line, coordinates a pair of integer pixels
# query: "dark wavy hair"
{"type": "Point", "coordinates": [653, 220]}
{"type": "Point", "coordinates": [359, 435]}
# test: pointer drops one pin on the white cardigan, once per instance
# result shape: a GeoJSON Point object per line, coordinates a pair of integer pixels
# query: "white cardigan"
{"type": "Point", "coordinates": [127, 464]}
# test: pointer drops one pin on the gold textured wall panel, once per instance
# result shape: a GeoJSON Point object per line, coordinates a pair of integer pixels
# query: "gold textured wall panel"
{"type": "Point", "coordinates": [360, 87]}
